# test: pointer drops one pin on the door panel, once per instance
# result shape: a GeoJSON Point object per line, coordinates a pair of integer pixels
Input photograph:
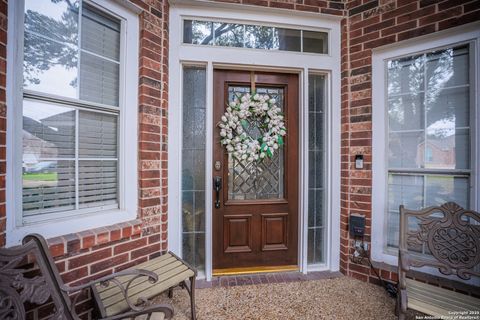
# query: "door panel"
{"type": "Point", "coordinates": [274, 231]}
{"type": "Point", "coordinates": [256, 221]}
{"type": "Point", "coordinates": [238, 234]}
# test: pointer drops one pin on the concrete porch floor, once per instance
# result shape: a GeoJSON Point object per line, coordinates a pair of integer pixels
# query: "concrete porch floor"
{"type": "Point", "coordinates": [321, 295]}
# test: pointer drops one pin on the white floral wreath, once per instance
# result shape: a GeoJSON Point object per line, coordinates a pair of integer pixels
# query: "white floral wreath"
{"type": "Point", "coordinates": [237, 118]}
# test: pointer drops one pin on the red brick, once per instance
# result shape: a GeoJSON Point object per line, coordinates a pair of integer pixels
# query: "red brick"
{"type": "Point", "coordinates": [109, 263]}
{"type": "Point", "coordinates": [365, 23]}
{"type": "Point", "coordinates": [416, 32]}
{"type": "Point", "coordinates": [75, 275]}
{"type": "Point", "coordinates": [416, 14]}
{"type": "Point", "coordinates": [467, 18]}
{"type": "Point", "coordinates": [378, 26]}
{"type": "Point", "coordinates": [399, 28]}
{"type": "Point", "coordinates": [263, 3]}
{"type": "Point", "coordinates": [400, 11]}
{"type": "Point", "coordinates": [317, 3]}
{"type": "Point", "coordinates": [379, 42]}
{"type": "Point", "coordinates": [302, 7]}
{"type": "Point", "coordinates": [472, 6]}
{"type": "Point", "coordinates": [331, 11]}
{"type": "Point", "coordinates": [283, 5]}
{"type": "Point", "coordinates": [146, 250]}
{"type": "Point", "coordinates": [365, 38]}
{"type": "Point", "coordinates": [358, 276]}
{"type": "Point", "coordinates": [56, 247]}
{"type": "Point", "coordinates": [115, 235]}
{"type": "Point", "coordinates": [442, 15]}
{"type": "Point", "coordinates": [359, 268]}
{"type": "Point", "coordinates": [451, 3]}
{"type": "Point", "coordinates": [129, 246]}
{"type": "Point", "coordinates": [89, 258]}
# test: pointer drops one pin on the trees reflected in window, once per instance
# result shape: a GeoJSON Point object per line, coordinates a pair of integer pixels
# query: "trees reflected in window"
{"type": "Point", "coordinates": [254, 37]}
{"type": "Point", "coordinates": [429, 137]}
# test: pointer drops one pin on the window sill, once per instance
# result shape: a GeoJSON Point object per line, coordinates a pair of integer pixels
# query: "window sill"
{"type": "Point", "coordinates": [97, 223]}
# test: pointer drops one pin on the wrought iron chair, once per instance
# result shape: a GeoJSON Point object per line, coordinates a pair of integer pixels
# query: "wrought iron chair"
{"type": "Point", "coordinates": [446, 238]}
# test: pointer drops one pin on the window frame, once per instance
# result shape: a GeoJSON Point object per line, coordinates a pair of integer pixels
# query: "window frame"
{"type": "Point", "coordinates": [63, 222]}
{"type": "Point", "coordinates": [465, 35]}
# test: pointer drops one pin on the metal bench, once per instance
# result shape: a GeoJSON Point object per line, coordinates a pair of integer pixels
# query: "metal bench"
{"type": "Point", "coordinates": [448, 239]}
{"type": "Point", "coordinates": [123, 295]}
{"type": "Point", "coordinates": [170, 270]}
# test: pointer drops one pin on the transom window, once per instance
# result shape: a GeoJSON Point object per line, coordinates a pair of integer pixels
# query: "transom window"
{"type": "Point", "coordinates": [226, 34]}
{"type": "Point", "coordinates": [429, 132]}
{"type": "Point", "coordinates": [70, 108]}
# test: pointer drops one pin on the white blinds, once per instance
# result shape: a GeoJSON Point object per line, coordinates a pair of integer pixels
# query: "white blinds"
{"type": "Point", "coordinates": [99, 61]}
{"type": "Point", "coordinates": [97, 135]}
{"type": "Point", "coordinates": [55, 153]}
{"type": "Point", "coordinates": [98, 165]}
{"type": "Point", "coordinates": [98, 80]}
{"type": "Point", "coordinates": [97, 183]}
{"type": "Point", "coordinates": [100, 33]}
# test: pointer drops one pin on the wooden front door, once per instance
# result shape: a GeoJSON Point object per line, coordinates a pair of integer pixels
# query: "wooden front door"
{"type": "Point", "coordinates": [256, 222]}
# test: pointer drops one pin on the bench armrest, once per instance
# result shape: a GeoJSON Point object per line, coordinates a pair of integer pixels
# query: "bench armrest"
{"type": "Point", "coordinates": [104, 281]}
{"type": "Point", "coordinates": [137, 306]}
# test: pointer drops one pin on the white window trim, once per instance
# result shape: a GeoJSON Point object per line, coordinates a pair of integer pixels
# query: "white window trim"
{"type": "Point", "coordinates": [464, 34]}
{"type": "Point", "coordinates": [302, 63]}
{"type": "Point", "coordinates": [128, 143]}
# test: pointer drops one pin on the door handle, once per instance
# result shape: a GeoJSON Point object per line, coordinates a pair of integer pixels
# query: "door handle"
{"type": "Point", "coordinates": [217, 185]}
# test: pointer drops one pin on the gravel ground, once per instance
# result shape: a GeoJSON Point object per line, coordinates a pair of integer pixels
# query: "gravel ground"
{"type": "Point", "coordinates": [340, 298]}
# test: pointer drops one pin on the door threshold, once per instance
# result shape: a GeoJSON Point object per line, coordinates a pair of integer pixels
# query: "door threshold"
{"type": "Point", "coordinates": [250, 270]}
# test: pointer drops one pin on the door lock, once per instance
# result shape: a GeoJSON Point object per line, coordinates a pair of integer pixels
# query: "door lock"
{"type": "Point", "coordinates": [217, 184]}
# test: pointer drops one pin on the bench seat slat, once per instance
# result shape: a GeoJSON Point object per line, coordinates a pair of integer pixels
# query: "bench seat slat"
{"type": "Point", "coordinates": [149, 292]}
{"type": "Point", "coordinates": [170, 270]}
{"type": "Point", "coordinates": [437, 301]}
{"type": "Point", "coordinates": [158, 269]}
{"type": "Point", "coordinates": [163, 273]}
{"type": "Point", "coordinates": [149, 265]}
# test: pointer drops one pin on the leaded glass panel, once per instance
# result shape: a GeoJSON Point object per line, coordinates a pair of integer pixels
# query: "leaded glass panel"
{"type": "Point", "coordinates": [193, 166]}
{"type": "Point", "coordinates": [256, 180]}
{"type": "Point", "coordinates": [316, 172]}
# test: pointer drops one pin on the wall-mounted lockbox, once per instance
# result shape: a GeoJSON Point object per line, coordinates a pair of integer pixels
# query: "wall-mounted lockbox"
{"type": "Point", "coordinates": [356, 225]}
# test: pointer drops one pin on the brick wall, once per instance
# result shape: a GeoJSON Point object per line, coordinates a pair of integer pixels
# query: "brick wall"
{"type": "Point", "coordinates": [369, 24]}
{"type": "Point", "coordinates": [335, 7]}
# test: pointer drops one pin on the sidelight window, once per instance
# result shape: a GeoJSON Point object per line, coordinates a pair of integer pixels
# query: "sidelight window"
{"type": "Point", "coordinates": [316, 172]}
{"type": "Point", "coordinates": [193, 165]}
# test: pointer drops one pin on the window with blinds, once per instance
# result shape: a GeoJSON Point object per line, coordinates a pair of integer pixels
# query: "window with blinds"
{"type": "Point", "coordinates": [71, 79]}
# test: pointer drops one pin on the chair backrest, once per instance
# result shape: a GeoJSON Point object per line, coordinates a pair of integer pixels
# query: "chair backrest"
{"type": "Point", "coordinates": [450, 233]}
{"type": "Point", "coordinates": [21, 283]}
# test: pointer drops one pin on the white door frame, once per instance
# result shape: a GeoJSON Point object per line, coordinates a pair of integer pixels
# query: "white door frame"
{"type": "Point", "coordinates": [302, 63]}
